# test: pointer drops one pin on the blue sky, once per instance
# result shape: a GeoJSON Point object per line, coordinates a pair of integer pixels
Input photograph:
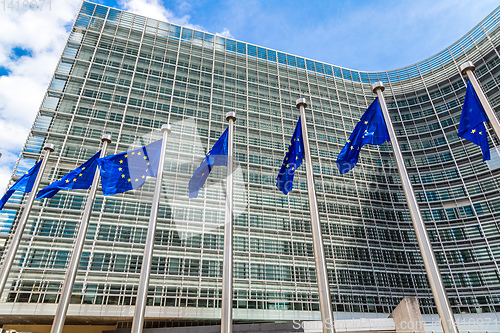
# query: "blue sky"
{"type": "Point", "coordinates": [365, 35]}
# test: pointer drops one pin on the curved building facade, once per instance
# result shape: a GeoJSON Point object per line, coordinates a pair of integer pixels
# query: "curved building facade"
{"type": "Point", "coordinates": [125, 75]}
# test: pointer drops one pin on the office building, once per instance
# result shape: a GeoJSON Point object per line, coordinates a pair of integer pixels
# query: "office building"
{"type": "Point", "coordinates": [125, 75]}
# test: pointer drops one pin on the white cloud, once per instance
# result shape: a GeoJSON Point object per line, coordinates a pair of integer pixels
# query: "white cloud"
{"type": "Point", "coordinates": [155, 9]}
{"type": "Point", "coordinates": [184, 6]}
{"type": "Point", "coordinates": [225, 33]}
{"type": "Point", "coordinates": [44, 34]}
{"type": "Point", "coordinates": [148, 8]}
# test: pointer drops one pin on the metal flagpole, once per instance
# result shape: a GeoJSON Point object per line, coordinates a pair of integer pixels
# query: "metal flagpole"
{"type": "Point", "coordinates": [69, 279]}
{"type": "Point", "coordinates": [319, 251]}
{"type": "Point", "coordinates": [227, 264]}
{"type": "Point", "coordinates": [142, 292]}
{"type": "Point", "coordinates": [14, 245]}
{"type": "Point", "coordinates": [424, 243]}
{"type": "Point", "coordinates": [468, 69]}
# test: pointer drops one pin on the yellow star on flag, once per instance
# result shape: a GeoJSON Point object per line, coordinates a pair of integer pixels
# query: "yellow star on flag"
{"type": "Point", "coordinates": [123, 176]}
{"type": "Point", "coordinates": [119, 169]}
{"type": "Point", "coordinates": [473, 131]}
{"type": "Point", "coordinates": [366, 123]}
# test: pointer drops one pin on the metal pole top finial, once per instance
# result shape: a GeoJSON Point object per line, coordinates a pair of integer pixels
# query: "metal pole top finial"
{"type": "Point", "coordinates": [106, 137]}
{"type": "Point", "coordinates": [468, 65]}
{"type": "Point", "coordinates": [166, 128]}
{"type": "Point", "coordinates": [49, 146]}
{"type": "Point", "coordinates": [301, 101]}
{"type": "Point", "coordinates": [378, 85]}
{"type": "Point", "coordinates": [231, 115]}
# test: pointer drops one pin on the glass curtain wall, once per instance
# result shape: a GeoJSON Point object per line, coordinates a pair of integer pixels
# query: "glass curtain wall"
{"type": "Point", "coordinates": [126, 75]}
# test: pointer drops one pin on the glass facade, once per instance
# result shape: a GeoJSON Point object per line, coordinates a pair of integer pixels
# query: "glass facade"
{"type": "Point", "coordinates": [125, 75]}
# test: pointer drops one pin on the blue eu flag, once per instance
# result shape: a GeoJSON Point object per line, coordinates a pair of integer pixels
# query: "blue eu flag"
{"type": "Point", "coordinates": [472, 122]}
{"type": "Point", "coordinates": [127, 171]}
{"type": "Point", "coordinates": [79, 179]}
{"type": "Point", "coordinates": [371, 129]}
{"type": "Point", "coordinates": [293, 160]}
{"type": "Point", "coordinates": [24, 184]}
{"type": "Point", "coordinates": [217, 156]}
